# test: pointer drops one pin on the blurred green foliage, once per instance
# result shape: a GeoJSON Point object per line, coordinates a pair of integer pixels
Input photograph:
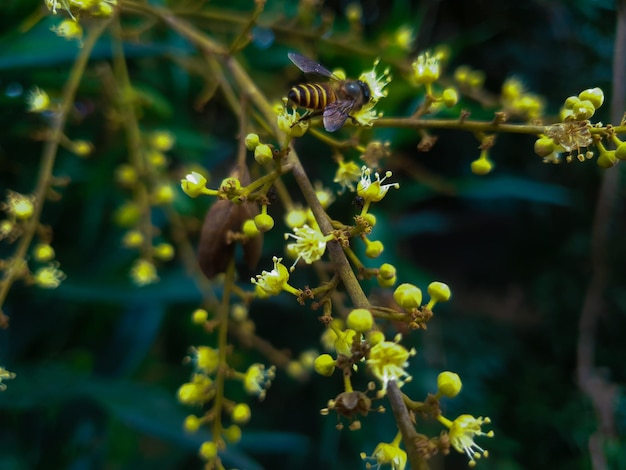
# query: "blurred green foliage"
{"type": "Point", "coordinates": [98, 360]}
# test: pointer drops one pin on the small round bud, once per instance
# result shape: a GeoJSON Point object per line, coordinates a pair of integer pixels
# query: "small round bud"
{"type": "Point", "coordinates": [370, 219]}
{"type": "Point", "coordinates": [199, 316]}
{"type": "Point", "coordinates": [374, 249]}
{"type": "Point", "coordinates": [193, 184]}
{"type": "Point", "coordinates": [43, 252]}
{"type": "Point", "coordinates": [408, 296]}
{"type": "Point", "coordinates": [239, 312]}
{"type": "Point", "coordinates": [544, 146]}
{"type": "Point", "coordinates": [481, 166]}
{"type": "Point", "coordinates": [263, 154]}
{"type": "Point", "coordinates": [584, 110]}
{"type": "Point", "coordinates": [620, 151]}
{"type": "Point", "coordinates": [571, 101]}
{"type": "Point", "coordinates": [251, 141]}
{"type": "Point", "coordinates": [324, 365]}
{"type": "Point", "coordinates": [296, 218]}
{"type": "Point", "coordinates": [449, 384]}
{"type": "Point", "coordinates": [387, 282]}
{"type": "Point", "coordinates": [241, 413]}
{"type": "Point", "coordinates": [163, 251]}
{"type": "Point", "coordinates": [386, 271]}
{"type": "Point", "coordinates": [232, 433]}
{"type": "Point", "coordinates": [607, 159]}
{"type": "Point", "coordinates": [450, 97]}
{"type": "Point", "coordinates": [595, 95]}
{"type": "Point", "coordinates": [208, 450]}
{"type": "Point", "coordinates": [192, 423]}
{"type": "Point", "coordinates": [360, 320]}
{"type": "Point", "coordinates": [249, 228]}
{"type": "Point", "coordinates": [264, 222]}
{"type": "Point", "coordinates": [375, 336]}
{"type": "Point", "coordinates": [439, 291]}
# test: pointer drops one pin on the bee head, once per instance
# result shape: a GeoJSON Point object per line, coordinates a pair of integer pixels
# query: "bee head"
{"type": "Point", "coordinates": [358, 90]}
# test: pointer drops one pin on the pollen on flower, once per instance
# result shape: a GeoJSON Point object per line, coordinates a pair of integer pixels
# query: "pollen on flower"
{"type": "Point", "coordinates": [347, 175]}
{"type": "Point", "coordinates": [462, 432]}
{"type": "Point", "coordinates": [143, 272]}
{"type": "Point", "coordinates": [205, 359]}
{"type": "Point", "coordinates": [310, 244]}
{"type": "Point", "coordinates": [291, 122]}
{"type": "Point", "coordinates": [274, 281]}
{"type": "Point", "coordinates": [387, 362]}
{"type": "Point", "coordinates": [426, 69]}
{"type": "Point", "coordinates": [373, 191]}
{"type": "Point", "coordinates": [257, 380]}
{"type": "Point", "coordinates": [376, 83]}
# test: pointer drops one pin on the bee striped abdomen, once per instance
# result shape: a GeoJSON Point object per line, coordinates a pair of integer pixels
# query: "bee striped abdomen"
{"type": "Point", "coordinates": [312, 95]}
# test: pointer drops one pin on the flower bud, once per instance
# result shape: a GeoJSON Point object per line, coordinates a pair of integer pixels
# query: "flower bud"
{"type": "Point", "coordinates": [208, 450]}
{"type": "Point", "coordinates": [264, 222]}
{"type": "Point", "coordinates": [241, 413]}
{"type": "Point", "coordinates": [375, 336]}
{"type": "Point", "coordinates": [408, 296]}
{"type": "Point", "coordinates": [360, 320]}
{"type": "Point", "coordinates": [583, 110]}
{"type": "Point", "coordinates": [251, 141]}
{"type": "Point", "coordinates": [481, 166]}
{"type": "Point", "coordinates": [594, 95]}
{"type": "Point", "coordinates": [439, 291]}
{"type": "Point", "coordinates": [607, 159]}
{"type": "Point", "coordinates": [199, 316]}
{"type": "Point", "coordinates": [192, 423]}
{"type": "Point", "coordinates": [620, 151]}
{"type": "Point", "coordinates": [263, 154]}
{"type": "Point", "coordinates": [544, 146]}
{"type": "Point", "coordinates": [449, 384]}
{"type": "Point", "coordinates": [325, 365]}
{"type": "Point", "coordinates": [232, 434]}
{"type": "Point", "coordinates": [450, 97]}
{"type": "Point", "coordinates": [374, 249]}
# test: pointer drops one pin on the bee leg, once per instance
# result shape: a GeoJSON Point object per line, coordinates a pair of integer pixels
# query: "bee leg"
{"type": "Point", "coordinates": [309, 115]}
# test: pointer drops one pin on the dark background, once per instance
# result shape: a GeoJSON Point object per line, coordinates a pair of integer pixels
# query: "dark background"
{"type": "Point", "coordinates": [98, 360]}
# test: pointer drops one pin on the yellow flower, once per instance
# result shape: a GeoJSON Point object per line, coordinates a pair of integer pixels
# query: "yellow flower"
{"type": "Point", "coordinates": [387, 361]}
{"type": "Point", "coordinates": [49, 277]}
{"type": "Point", "coordinates": [347, 175]}
{"type": "Point", "coordinates": [257, 380]}
{"type": "Point", "coordinates": [205, 359]}
{"type": "Point", "coordinates": [373, 192]}
{"type": "Point", "coordinates": [376, 83]}
{"type": "Point", "coordinates": [388, 454]}
{"type": "Point", "coordinates": [291, 123]}
{"type": "Point", "coordinates": [5, 375]}
{"type": "Point", "coordinates": [38, 101]}
{"type": "Point", "coordinates": [143, 273]}
{"type": "Point", "coordinates": [69, 29]}
{"type": "Point", "coordinates": [19, 206]}
{"type": "Point", "coordinates": [426, 69]}
{"type": "Point", "coordinates": [198, 391]}
{"type": "Point", "coordinates": [273, 282]}
{"type": "Point", "coordinates": [194, 184]}
{"type": "Point", "coordinates": [462, 432]}
{"type": "Point", "coordinates": [310, 244]}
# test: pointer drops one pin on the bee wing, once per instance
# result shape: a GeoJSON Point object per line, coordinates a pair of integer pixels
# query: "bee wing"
{"type": "Point", "coordinates": [309, 66]}
{"type": "Point", "coordinates": [336, 113]}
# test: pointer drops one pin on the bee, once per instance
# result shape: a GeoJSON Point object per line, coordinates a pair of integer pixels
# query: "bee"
{"type": "Point", "coordinates": [334, 100]}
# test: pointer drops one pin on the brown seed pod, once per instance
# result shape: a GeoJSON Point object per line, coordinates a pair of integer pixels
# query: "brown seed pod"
{"type": "Point", "coordinates": [216, 247]}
